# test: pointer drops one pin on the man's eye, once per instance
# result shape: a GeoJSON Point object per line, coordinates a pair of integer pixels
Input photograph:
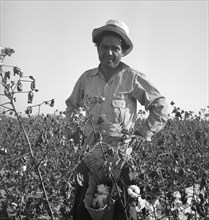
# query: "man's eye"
{"type": "Point", "coordinates": [103, 47]}
{"type": "Point", "coordinates": [116, 48]}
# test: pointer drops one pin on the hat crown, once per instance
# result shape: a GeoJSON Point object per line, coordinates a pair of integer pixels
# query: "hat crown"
{"type": "Point", "coordinates": [120, 24]}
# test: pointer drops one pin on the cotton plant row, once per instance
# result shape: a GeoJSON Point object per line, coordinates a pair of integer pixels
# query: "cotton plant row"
{"type": "Point", "coordinates": [57, 156]}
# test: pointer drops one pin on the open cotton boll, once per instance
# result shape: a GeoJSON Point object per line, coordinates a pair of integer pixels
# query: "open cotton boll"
{"type": "Point", "coordinates": [133, 191]}
{"type": "Point", "coordinates": [103, 189]}
{"type": "Point", "coordinates": [99, 201]}
{"type": "Point", "coordinates": [101, 195]}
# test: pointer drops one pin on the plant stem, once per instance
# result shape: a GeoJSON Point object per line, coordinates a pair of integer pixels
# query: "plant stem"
{"type": "Point", "coordinates": [34, 160]}
{"type": "Point", "coordinates": [7, 65]}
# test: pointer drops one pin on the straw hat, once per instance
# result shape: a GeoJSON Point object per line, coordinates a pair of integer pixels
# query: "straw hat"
{"type": "Point", "coordinates": [118, 27]}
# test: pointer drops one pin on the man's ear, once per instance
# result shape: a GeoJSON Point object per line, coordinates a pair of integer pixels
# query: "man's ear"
{"type": "Point", "coordinates": [97, 48]}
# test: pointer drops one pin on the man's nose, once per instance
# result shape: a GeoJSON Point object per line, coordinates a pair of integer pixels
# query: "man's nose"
{"type": "Point", "coordinates": [110, 52]}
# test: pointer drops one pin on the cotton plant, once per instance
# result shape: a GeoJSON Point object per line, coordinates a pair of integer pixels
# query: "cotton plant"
{"type": "Point", "coordinates": [134, 192]}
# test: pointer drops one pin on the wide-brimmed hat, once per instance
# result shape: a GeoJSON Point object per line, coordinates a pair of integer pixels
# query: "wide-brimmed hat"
{"type": "Point", "coordinates": [118, 27]}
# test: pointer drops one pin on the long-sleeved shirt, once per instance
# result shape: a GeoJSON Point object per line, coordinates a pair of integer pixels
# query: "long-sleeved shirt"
{"type": "Point", "coordinates": [120, 94]}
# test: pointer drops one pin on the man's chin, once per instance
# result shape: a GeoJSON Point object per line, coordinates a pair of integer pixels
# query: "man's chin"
{"type": "Point", "coordinates": [109, 65]}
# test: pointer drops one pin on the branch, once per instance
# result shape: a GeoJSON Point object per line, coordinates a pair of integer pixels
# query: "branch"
{"type": "Point", "coordinates": [34, 160]}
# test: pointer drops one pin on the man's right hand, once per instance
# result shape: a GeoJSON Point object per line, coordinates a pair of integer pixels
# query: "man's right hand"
{"type": "Point", "coordinates": [77, 136]}
{"type": "Point", "coordinates": [137, 141]}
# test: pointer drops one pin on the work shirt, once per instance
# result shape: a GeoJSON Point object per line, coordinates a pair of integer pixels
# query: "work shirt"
{"type": "Point", "coordinates": [116, 104]}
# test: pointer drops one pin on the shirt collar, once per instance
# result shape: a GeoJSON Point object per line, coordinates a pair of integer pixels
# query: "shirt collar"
{"type": "Point", "coordinates": [98, 69]}
{"type": "Point", "coordinates": [95, 71]}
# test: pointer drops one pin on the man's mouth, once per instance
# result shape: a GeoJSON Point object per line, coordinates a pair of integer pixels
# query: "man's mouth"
{"type": "Point", "coordinates": [108, 59]}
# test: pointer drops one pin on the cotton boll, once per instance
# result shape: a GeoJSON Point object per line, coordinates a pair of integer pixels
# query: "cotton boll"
{"type": "Point", "coordinates": [103, 189]}
{"type": "Point", "coordinates": [100, 199]}
{"type": "Point", "coordinates": [133, 191]}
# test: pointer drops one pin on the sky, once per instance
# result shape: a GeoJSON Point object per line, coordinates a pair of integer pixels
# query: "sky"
{"type": "Point", "coordinates": [53, 43]}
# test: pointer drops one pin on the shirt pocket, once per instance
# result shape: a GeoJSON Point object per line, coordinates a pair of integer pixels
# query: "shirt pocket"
{"type": "Point", "coordinates": [118, 103]}
{"type": "Point", "coordinates": [119, 107]}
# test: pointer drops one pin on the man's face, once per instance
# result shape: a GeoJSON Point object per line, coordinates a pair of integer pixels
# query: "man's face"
{"type": "Point", "coordinates": [110, 51]}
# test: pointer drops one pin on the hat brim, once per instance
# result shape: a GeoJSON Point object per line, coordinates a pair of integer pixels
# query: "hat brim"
{"type": "Point", "coordinates": [97, 32]}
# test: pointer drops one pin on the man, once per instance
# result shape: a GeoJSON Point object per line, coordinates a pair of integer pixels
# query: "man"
{"type": "Point", "coordinates": [116, 87]}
